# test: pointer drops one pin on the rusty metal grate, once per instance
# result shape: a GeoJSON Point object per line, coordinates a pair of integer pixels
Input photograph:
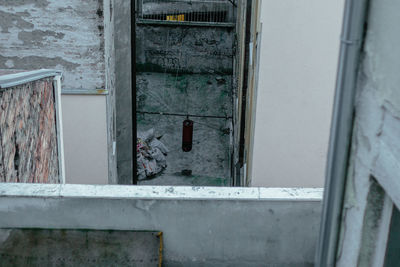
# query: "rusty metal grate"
{"type": "Point", "coordinates": [209, 11]}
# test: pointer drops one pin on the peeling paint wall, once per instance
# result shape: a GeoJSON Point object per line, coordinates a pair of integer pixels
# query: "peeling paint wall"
{"type": "Point", "coordinates": [28, 135]}
{"type": "Point", "coordinates": [375, 144]}
{"type": "Point", "coordinates": [187, 70]}
{"type": "Point", "coordinates": [63, 35]}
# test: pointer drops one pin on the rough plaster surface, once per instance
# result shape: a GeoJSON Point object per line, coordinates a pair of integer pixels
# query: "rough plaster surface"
{"type": "Point", "coordinates": [375, 146]}
{"type": "Point", "coordinates": [28, 137]}
{"type": "Point", "coordinates": [64, 35]}
{"type": "Point", "coordinates": [202, 226]}
{"type": "Point", "coordinates": [187, 70]}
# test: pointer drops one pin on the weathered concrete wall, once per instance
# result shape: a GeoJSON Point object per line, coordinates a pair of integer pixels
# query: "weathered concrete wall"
{"type": "Point", "coordinates": [375, 144]}
{"type": "Point", "coordinates": [110, 85]}
{"type": "Point", "coordinates": [201, 226]}
{"type": "Point", "coordinates": [123, 92]}
{"type": "Point", "coordinates": [66, 36]}
{"type": "Point", "coordinates": [184, 49]}
{"type": "Point", "coordinates": [28, 136]}
{"type": "Point", "coordinates": [187, 70]}
{"type": "Point", "coordinates": [202, 94]}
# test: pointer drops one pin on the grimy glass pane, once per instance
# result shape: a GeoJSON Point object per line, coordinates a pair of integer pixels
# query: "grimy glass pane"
{"type": "Point", "coordinates": [392, 258]}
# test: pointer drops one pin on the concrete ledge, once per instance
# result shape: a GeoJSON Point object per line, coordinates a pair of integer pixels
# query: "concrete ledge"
{"type": "Point", "coordinates": [19, 78]}
{"type": "Point", "coordinates": [160, 192]}
{"type": "Point", "coordinates": [68, 91]}
{"type": "Point", "coordinates": [202, 226]}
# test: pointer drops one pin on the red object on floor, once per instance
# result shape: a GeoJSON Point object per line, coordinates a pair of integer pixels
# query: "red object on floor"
{"type": "Point", "coordinates": [187, 135]}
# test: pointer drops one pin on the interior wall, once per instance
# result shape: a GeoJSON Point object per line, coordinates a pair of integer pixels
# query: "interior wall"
{"type": "Point", "coordinates": [85, 139]}
{"type": "Point", "coordinates": [297, 72]}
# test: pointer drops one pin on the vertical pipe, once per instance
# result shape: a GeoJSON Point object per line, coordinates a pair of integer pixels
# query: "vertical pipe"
{"type": "Point", "coordinates": [245, 78]}
{"type": "Point", "coordinates": [355, 13]}
{"type": "Point", "coordinates": [59, 125]}
{"type": "Point", "coordinates": [133, 91]}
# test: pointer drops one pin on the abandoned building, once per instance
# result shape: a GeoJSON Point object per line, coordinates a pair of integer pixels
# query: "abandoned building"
{"type": "Point", "coordinates": [199, 133]}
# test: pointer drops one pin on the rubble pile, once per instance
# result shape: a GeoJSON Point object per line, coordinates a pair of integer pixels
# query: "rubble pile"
{"type": "Point", "coordinates": [151, 155]}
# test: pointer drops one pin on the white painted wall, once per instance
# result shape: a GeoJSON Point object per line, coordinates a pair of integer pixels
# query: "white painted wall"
{"type": "Point", "coordinates": [85, 139]}
{"type": "Point", "coordinates": [298, 61]}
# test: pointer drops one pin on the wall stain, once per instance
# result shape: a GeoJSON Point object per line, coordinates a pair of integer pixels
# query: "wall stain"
{"type": "Point", "coordinates": [37, 3]}
{"type": "Point", "coordinates": [38, 37]}
{"type": "Point", "coordinates": [9, 20]}
{"type": "Point", "coordinates": [37, 62]}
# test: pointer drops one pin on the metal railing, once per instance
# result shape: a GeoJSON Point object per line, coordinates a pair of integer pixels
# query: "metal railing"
{"type": "Point", "coordinates": [209, 11]}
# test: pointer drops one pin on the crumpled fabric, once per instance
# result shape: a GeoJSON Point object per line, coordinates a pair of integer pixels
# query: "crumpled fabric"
{"type": "Point", "coordinates": [151, 155]}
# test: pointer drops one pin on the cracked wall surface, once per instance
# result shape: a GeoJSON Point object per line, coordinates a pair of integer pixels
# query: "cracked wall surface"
{"type": "Point", "coordinates": [375, 150]}
{"type": "Point", "coordinates": [28, 136]}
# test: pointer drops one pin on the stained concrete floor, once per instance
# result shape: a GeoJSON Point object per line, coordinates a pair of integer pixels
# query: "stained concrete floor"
{"type": "Point", "coordinates": [190, 180]}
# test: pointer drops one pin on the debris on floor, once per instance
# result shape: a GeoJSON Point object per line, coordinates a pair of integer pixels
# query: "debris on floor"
{"type": "Point", "coordinates": [151, 154]}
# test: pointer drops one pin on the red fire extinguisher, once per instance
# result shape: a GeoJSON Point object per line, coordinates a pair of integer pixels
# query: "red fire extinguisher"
{"type": "Point", "coordinates": [187, 135]}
